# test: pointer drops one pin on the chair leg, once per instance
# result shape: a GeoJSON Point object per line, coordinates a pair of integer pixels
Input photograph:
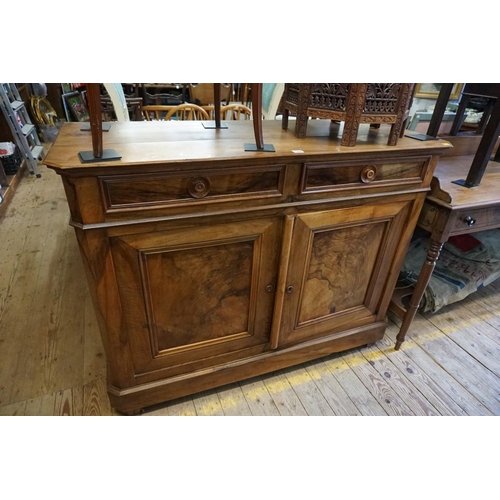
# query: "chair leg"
{"type": "Point", "coordinates": [302, 105]}
{"type": "Point", "coordinates": [284, 118]}
{"type": "Point", "coordinates": [397, 129]}
{"type": "Point", "coordinates": [354, 109]}
{"type": "Point", "coordinates": [394, 134]}
{"type": "Point", "coordinates": [301, 124]}
{"type": "Point", "coordinates": [350, 133]}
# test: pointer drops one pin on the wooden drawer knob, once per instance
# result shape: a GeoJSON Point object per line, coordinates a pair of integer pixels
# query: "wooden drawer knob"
{"type": "Point", "coordinates": [199, 187]}
{"type": "Point", "coordinates": [368, 174]}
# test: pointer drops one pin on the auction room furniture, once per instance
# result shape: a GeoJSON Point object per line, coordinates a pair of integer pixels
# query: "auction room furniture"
{"type": "Point", "coordinates": [465, 198]}
{"type": "Point", "coordinates": [352, 103]}
{"type": "Point", "coordinates": [185, 111]}
{"type": "Point", "coordinates": [208, 264]}
{"type": "Point", "coordinates": [203, 93]}
{"type": "Point", "coordinates": [449, 210]}
{"type": "Point", "coordinates": [235, 112]}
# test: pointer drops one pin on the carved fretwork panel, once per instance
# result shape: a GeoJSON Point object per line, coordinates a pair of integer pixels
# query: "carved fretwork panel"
{"type": "Point", "coordinates": [293, 93]}
{"type": "Point", "coordinates": [329, 95]}
{"type": "Point", "coordinates": [382, 98]}
{"type": "Point", "coordinates": [338, 268]}
{"type": "Point", "coordinates": [195, 294]}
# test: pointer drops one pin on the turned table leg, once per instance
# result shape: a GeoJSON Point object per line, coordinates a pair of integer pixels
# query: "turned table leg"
{"type": "Point", "coordinates": [423, 280]}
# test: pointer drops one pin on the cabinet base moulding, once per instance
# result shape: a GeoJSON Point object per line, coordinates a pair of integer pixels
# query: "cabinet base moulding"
{"type": "Point", "coordinates": [133, 399]}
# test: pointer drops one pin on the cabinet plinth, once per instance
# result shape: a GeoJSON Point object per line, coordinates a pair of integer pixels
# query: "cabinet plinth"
{"type": "Point", "coordinates": [208, 264]}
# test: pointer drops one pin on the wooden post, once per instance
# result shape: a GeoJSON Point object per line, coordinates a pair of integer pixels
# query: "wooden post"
{"type": "Point", "coordinates": [217, 124]}
{"type": "Point", "coordinates": [94, 104]}
{"type": "Point", "coordinates": [98, 153]}
{"type": "Point", "coordinates": [257, 122]}
{"type": "Point", "coordinates": [217, 104]}
{"type": "Point", "coordinates": [257, 114]}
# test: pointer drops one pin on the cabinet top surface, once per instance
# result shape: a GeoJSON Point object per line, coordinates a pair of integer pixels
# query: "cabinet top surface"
{"type": "Point", "coordinates": [145, 142]}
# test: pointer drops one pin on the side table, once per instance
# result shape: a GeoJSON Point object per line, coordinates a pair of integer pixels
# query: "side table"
{"type": "Point", "coordinates": [450, 210]}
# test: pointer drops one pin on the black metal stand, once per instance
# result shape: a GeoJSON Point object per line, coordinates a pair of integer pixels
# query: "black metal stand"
{"type": "Point", "coordinates": [213, 124]}
{"type": "Point", "coordinates": [105, 127]}
{"type": "Point", "coordinates": [269, 148]}
{"type": "Point", "coordinates": [107, 155]}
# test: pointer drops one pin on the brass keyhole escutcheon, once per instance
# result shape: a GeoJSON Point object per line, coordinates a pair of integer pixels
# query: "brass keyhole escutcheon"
{"type": "Point", "coordinates": [368, 174]}
{"type": "Point", "coordinates": [199, 187]}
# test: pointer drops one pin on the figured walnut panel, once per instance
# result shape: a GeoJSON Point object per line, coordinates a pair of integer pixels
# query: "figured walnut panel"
{"type": "Point", "coordinates": [221, 276]}
{"type": "Point", "coordinates": [162, 189]}
{"type": "Point", "coordinates": [340, 270]}
{"type": "Point", "coordinates": [195, 297]}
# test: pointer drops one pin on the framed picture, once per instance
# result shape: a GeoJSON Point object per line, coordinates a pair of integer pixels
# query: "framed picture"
{"type": "Point", "coordinates": [76, 106]}
{"type": "Point", "coordinates": [431, 90]}
{"type": "Point", "coordinates": [66, 88]}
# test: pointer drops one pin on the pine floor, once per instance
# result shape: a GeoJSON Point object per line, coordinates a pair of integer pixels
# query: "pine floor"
{"type": "Point", "coordinates": [52, 360]}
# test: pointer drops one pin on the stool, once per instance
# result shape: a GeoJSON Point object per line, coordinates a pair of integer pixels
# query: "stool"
{"type": "Point", "coordinates": [352, 103]}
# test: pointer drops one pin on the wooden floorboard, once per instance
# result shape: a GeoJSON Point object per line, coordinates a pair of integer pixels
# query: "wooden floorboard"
{"type": "Point", "coordinates": [52, 359]}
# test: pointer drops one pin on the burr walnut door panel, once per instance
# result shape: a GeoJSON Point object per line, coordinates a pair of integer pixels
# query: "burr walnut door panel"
{"type": "Point", "coordinates": [196, 297]}
{"type": "Point", "coordinates": [338, 268]}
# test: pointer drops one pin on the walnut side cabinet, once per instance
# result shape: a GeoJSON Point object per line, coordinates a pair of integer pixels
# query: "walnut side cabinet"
{"type": "Point", "coordinates": [208, 264]}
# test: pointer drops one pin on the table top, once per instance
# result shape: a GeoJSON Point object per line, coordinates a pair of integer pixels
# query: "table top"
{"type": "Point", "coordinates": [158, 142]}
{"type": "Point", "coordinates": [445, 193]}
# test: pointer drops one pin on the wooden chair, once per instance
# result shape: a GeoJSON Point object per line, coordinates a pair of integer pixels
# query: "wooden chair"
{"type": "Point", "coordinates": [134, 106]}
{"type": "Point", "coordinates": [187, 112]}
{"type": "Point", "coordinates": [161, 94]}
{"type": "Point", "coordinates": [235, 112]}
{"type": "Point", "coordinates": [203, 94]}
{"type": "Point", "coordinates": [157, 113]}
{"type": "Point", "coordinates": [352, 103]}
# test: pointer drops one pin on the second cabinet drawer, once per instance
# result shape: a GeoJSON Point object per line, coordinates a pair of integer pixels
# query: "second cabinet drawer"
{"type": "Point", "coordinates": [320, 177]}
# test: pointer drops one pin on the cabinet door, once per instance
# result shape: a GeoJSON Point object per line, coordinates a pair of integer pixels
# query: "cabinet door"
{"type": "Point", "coordinates": [338, 267]}
{"type": "Point", "coordinates": [196, 297]}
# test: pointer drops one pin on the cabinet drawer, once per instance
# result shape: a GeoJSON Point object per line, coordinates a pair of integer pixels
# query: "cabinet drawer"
{"type": "Point", "coordinates": [150, 190]}
{"type": "Point", "coordinates": [320, 177]}
{"type": "Point", "coordinates": [476, 219]}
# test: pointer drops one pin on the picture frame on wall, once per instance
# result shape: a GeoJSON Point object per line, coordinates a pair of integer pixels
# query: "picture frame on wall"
{"type": "Point", "coordinates": [431, 90]}
{"type": "Point", "coordinates": [75, 107]}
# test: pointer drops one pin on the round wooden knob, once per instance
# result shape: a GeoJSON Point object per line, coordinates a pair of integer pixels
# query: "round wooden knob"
{"type": "Point", "coordinates": [368, 174]}
{"type": "Point", "coordinates": [199, 187]}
